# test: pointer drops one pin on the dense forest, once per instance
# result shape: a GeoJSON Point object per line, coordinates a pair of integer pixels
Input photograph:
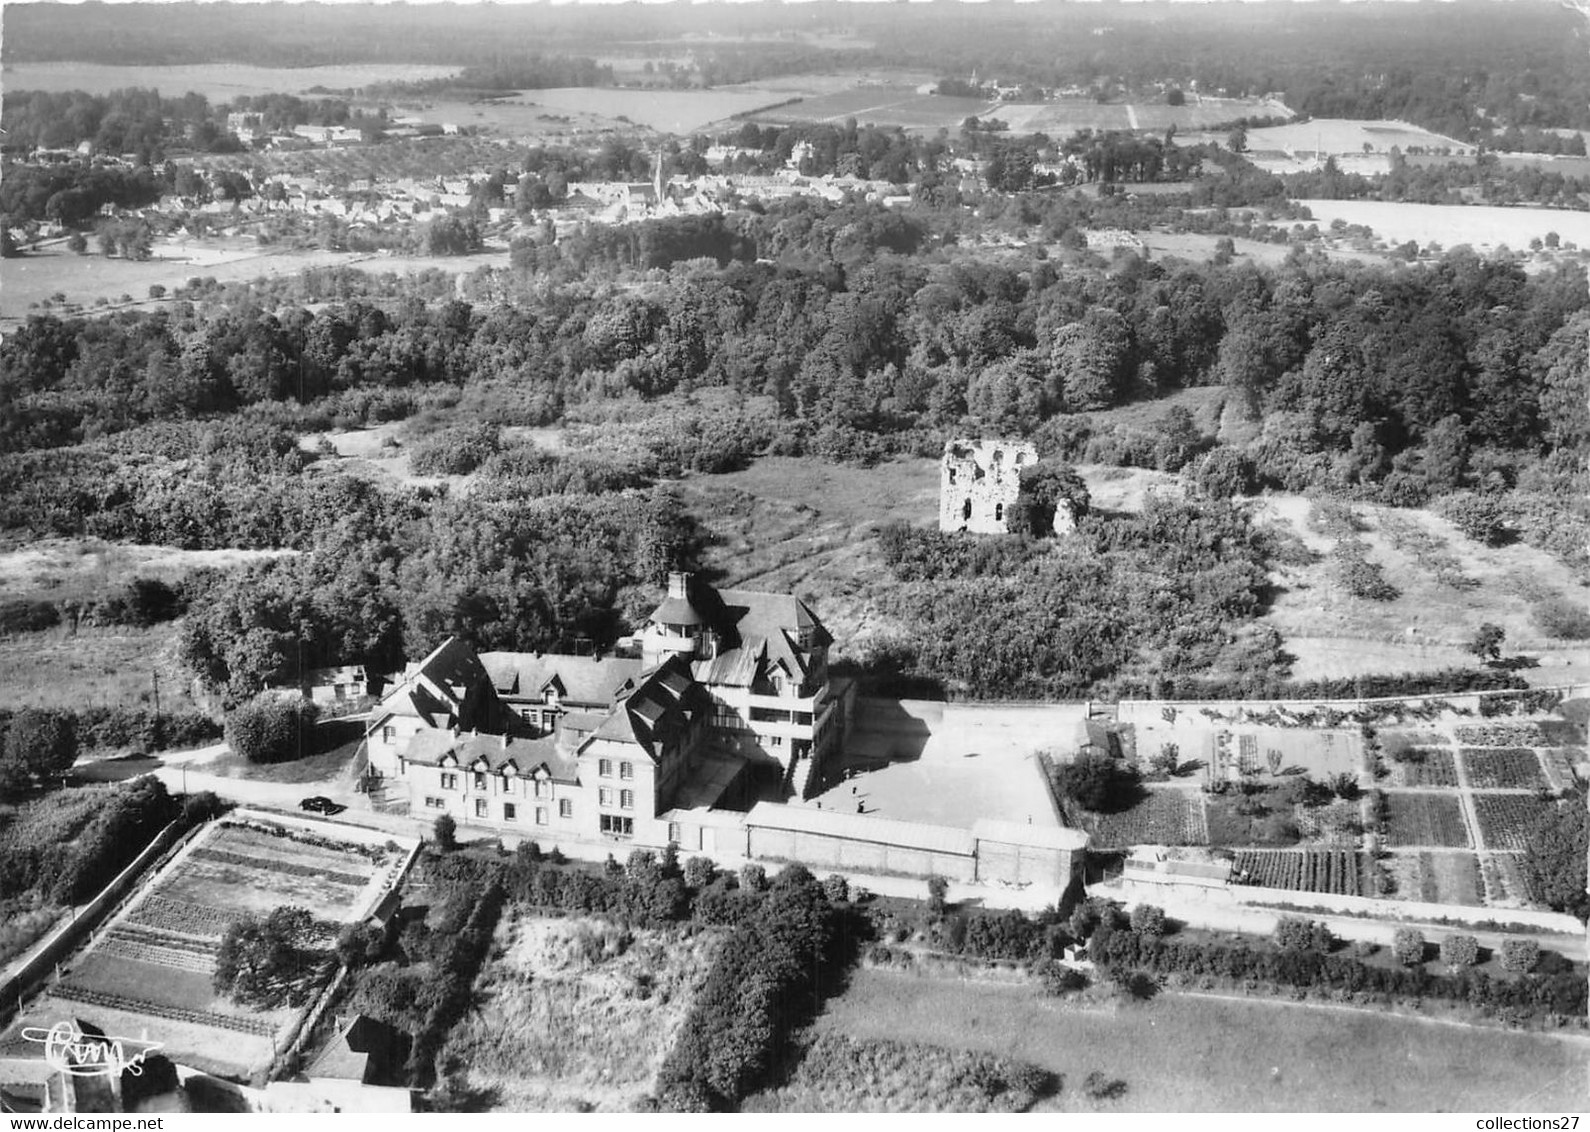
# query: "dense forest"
{"type": "Point", "coordinates": [846, 332]}
{"type": "Point", "coordinates": [1471, 69]}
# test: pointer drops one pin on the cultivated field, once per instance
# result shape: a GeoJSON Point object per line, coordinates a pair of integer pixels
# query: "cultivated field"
{"type": "Point", "coordinates": [1351, 136]}
{"type": "Point", "coordinates": [884, 105]}
{"type": "Point", "coordinates": [52, 270]}
{"type": "Point", "coordinates": [1185, 1053]}
{"type": "Point", "coordinates": [577, 1012]}
{"type": "Point", "coordinates": [219, 82]}
{"type": "Point", "coordinates": [1482, 227]}
{"type": "Point", "coordinates": [1426, 819]}
{"type": "Point", "coordinates": [680, 112]}
{"type": "Point", "coordinates": [150, 970]}
{"type": "Point", "coordinates": [1169, 815]}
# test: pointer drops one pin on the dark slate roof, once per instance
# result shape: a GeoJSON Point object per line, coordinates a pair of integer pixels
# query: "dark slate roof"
{"type": "Point", "coordinates": [491, 753]}
{"type": "Point", "coordinates": [434, 690]}
{"type": "Point", "coordinates": [663, 703]}
{"type": "Point", "coordinates": [754, 628]}
{"type": "Point", "coordinates": [579, 679]}
{"type": "Point", "coordinates": [365, 1050]}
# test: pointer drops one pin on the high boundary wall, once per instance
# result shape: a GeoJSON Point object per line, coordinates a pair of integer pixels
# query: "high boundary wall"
{"type": "Point", "coordinates": [1137, 711]}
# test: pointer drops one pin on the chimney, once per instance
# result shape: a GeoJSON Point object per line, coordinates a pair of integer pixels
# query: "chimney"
{"type": "Point", "coordinates": [505, 742]}
{"type": "Point", "coordinates": [679, 585]}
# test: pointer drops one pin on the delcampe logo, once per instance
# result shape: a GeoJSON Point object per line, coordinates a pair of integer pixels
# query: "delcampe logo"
{"type": "Point", "coordinates": [68, 1049]}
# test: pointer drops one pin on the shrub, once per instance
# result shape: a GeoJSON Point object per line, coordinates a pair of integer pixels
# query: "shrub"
{"type": "Point", "coordinates": [24, 616]}
{"type": "Point", "coordinates": [938, 888]}
{"type": "Point", "coordinates": [1562, 619]}
{"type": "Point", "coordinates": [1098, 1087]}
{"type": "Point", "coordinates": [1520, 955]}
{"type": "Point", "coordinates": [1408, 946]}
{"type": "Point", "coordinates": [1099, 783]}
{"type": "Point", "coordinates": [1148, 920]}
{"type": "Point", "coordinates": [699, 872]}
{"type": "Point", "coordinates": [1293, 933]}
{"type": "Point", "coordinates": [1460, 951]}
{"type": "Point", "coordinates": [445, 830]}
{"type": "Point", "coordinates": [1480, 517]}
{"type": "Point", "coordinates": [837, 889]}
{"type": "Point", "coordinates": [201, 807]}
{"type": "Point", "coordinates": [272, 729]}
{"type": "Point", "coordinates": [1059, 979]}
{"type": "Point", "coordinates": [753, 878]}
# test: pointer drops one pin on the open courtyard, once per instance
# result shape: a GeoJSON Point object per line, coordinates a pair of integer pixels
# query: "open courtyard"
{"type": "Point", "coordinates": [948, 764]}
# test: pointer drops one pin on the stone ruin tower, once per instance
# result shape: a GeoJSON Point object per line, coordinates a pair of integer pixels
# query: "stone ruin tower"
{"type": "Point", "coordinates": [978, 482]}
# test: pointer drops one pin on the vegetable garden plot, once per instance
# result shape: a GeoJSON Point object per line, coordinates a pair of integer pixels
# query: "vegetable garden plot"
{"type": "Point", "coordinates": [1338, 871]}
{"type": "Point", "coordinates": [1505, 818]}
{"type": "Point", "coordinates": [1426, 819]}
{"type": "Point", "coordinates": [1165, 817]}
{"type": "Point", "coordinates": [1501, 735]}
{"type": "Point", "coordinates": [1501, 767]}
{"type": "Point", "coordinates": [1431, 767]}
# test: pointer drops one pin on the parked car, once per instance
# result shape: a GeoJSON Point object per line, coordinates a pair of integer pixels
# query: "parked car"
{"type": "Point", "coordinates": [321, 805]}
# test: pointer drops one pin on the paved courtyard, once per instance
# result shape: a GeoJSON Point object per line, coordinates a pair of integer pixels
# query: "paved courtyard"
{"type": "Point", "coordinates": [950, 764]}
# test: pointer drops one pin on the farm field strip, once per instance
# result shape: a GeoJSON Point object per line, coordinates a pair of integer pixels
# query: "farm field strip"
{"type": "Point", "coordinates": [1435, 768]}
{"type": "Point", "coordinates": [72, 993]}
{"type": "Point", "coordinates": [1338, 871]}
{"type": "Point", "coordinates": [1505, 818]}
{"type": "Point", "coordinates": [1491, 768]}
{"type": "Point", "coordinates": [1422, 819]}
{"type": "Point", "coordinates": [1166, 817]}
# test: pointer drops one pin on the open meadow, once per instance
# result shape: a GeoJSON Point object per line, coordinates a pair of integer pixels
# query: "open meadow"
{"type": "Point", "coordinates": [1204, 1054]}
{"type": "Point", "coordinates": [51, 270]}
{"type": "Point", "coordinates": [1483, 227]}
{"type": "Point", "coordinates": [219, 82]}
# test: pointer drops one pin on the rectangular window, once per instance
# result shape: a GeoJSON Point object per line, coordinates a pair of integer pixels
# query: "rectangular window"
{"type": "Point", "coordinates": [541, 815]}
{"type": "Point", "coordinates": [543, 789]}
{"type": "Point", "coordinates": [388, 734]}
{"type": "Point", "coordinates": [626, 799]}
{"type": "Point", "coordinates": [605, 796]}
{"type": "Point", "coordinates": [449, 781]}
{"type": "Point", "coordinates": [626, 770]}
{"type": "Point", "coordinates": [509, 812]}
{"type": "Point", "coordinates": [618, 826]}
{"type": "Point", "coordinates": [775, 740]}
{"type": "Point", "coordinates": [480, 780]}
{"type": "Point", "coordinates": [604, 767]}
{"type": "Point", "coordinates": [565, 809]}
{"type": "Point", "coordinates": [673, 833]}
{"type": "Point", "coordinates": [435, 803]}
{"type": "Point", "coordinates": [480, 807]}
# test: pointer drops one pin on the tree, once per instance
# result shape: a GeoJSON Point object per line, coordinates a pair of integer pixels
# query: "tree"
{"type": "Point", "coordinates": [1520, 955]}
{"type": "Point", "coordinates": [1487, 641]}
{"type": "Point", "coordinates": [1045, 487]}
{"type": "Point", "coordinates": [1237, 140]}
{"type": "Point", "coordinates": [272, 728]}
{"type": "Point", "coordinates": [1148, 920]}
{"type": "Point", "coordinates": [938, 889]}
{"type": "Point", "coordinates": [1482, 518]}
{"type": "Point", "coordinates": [41, 742]}
{"type": "Point", "coordinates": [1460, 951]}
{"type": "Point", "coordinates": [1407, 944]}
{"type": "Point", "coordinates": [269, 961]}
{"type": "Point", "coordinates": [1224, 473]}
{"type": "Point", "coordinates": [1099, 783]}
{"type": "Point", "coordinates": [445, 830]}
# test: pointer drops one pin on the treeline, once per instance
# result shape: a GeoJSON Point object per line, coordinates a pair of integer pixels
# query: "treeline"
{"type": "Point", "coordinates": [1561, 992]}
{"type": "Point", "coordinates": [131, 121]}
{"type": "Point", "coordinates": [535, 72]}
{"type": "Point", "coordinates": [40, 745]}
{"type": "Point", "coordinates": [1453, 182]}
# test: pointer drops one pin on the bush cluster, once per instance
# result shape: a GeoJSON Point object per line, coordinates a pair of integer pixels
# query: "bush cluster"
{"type": "Point", "coordinates": [69, 845]}
{"type": "Point", "coordinates": [763, 984]}
{"type": "Point", "coordinates": [273, 728]}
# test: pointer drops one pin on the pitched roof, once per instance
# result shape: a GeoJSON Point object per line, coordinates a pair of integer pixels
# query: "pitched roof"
{"type": "Point", "coordinates": [491, 753]}
{"type": "Point", "coordinates": [364, 1050]}
{"type": "Point", "coordinates": [434, 690]}
{"type": "Point", "coordinates": [756, 628]}
{"type": "Point", "coordinates": [579, 679]}
{"type": "Point", "coordinates": [663, 703]}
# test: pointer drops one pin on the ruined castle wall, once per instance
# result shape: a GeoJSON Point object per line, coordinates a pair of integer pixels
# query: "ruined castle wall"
{"type": "Point", "coordinates": [978, 483]}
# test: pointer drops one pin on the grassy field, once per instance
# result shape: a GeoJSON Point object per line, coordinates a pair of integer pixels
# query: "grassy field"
{"type": "Point", "coordinates": [576, 1012]}
{"type": "Point", "coordinates": [219, 82]}
{"type": "Point", "coordinates": [1483, 227]}
{"type": "Point", "coordinates": [89, 568]}
{"type": "Point", "coordinates": [94, 667]}
{"type": "Point", "coordinates": [1181, 1053]}
{"type": "Point", "coordinates": [895, 104]}
{"type": "Point", "coordinates": [798, 525]}
{"type": "Point", "coordinates": [668, 111]}
{"type": "Point", "coordinates": [53, 270]}
{"type": "Point", "coordinates": [1349, 135]}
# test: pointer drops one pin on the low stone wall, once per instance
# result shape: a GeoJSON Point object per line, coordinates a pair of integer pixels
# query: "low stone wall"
{"type": "Point", "coordinates": [1411, 910]}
